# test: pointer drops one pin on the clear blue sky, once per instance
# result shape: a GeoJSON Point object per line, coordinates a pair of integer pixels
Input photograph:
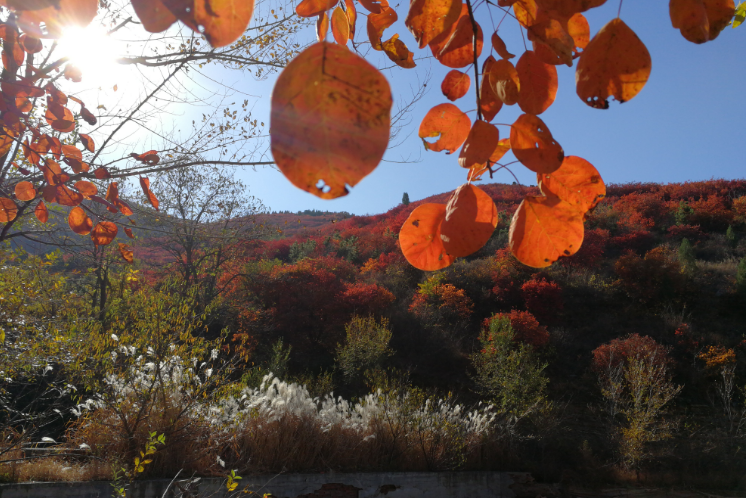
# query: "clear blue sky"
{"type": "Point", "coordinates": [686, 124]}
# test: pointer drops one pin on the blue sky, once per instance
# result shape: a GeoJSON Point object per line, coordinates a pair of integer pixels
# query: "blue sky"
{"type": "Point", "coordinates": [686, 124]}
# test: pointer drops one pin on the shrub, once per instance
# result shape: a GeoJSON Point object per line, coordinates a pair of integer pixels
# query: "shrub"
{"type": "Point", "coordinates": [686, 255]}
{"type": "Point", "coordinates": [367, 345]}
{"type": "Point", "coordinates": [653, 279]}
{"type": "Point", "coordinates": [507, 370]}
{"type": "Point", "coordinates": [543, 299]}
{"type": "Point", "coordinates": [525, 327]}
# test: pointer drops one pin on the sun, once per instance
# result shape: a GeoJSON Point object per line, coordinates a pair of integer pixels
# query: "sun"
{"type": "Point", "coordinates": [94, 52]}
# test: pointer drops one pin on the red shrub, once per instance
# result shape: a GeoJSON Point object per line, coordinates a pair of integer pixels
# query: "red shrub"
{"type": "Point", "coordinates": [632, 346]}
{"type": "Point", "coordinates": [693, 233]}
{"type": "Point", "coordinates": [591, 252]}
{"type": "Point", "coordinates": [525, 326]}
{"type": "Point", "coordinates": [639, 242]}
{"type": "Point", "coordinates": [543, 299]}
{"type": "Point", "coordinates": [366, 299]}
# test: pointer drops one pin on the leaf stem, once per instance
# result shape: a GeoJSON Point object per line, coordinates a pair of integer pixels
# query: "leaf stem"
{"type": "Point", "coordinates": [475, 29]}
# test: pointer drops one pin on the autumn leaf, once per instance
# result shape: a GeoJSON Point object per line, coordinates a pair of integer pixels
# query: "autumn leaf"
{"type": "Point", "coordinates": [489, 103]}
{"type": "Point", "coordinates": [479, 145]}
{"type": "Point", "coordinates": [701, 20]}
{"type": "Point", "coordinates": [104, 233]}
{"type": "Point", "coordinates": [615, 63]}
{"type": "Point", "coordinates": [101, 173]}
{"type": "Point", "coordinates": [41, 212]}
{"type": "Point", "coordinates": [459, 50]}
{"type": "Point", "coordinates": [471, 217]}
{"type": "Point", "coordinates": [543, 229]}
{"type": "Point", "coordinates": [128, 231]}
{"type": "Point", "coordinates": [551, 34]}
{"type": "Point", "coordinates": [567, 8]}
{"type": "Point", "coordinates": [145, 185]}
{"type": "Point", "coordinates": [8, 210]}
{"type": "Point", "coordinates": [60, 118]}
{"type": "Point", "coordinates": [79, 221]}
{"type": "Point", "coordinates": [73, 73]}
{"type": "Point", "coordinates": [398, 52]}
{"type": "Point", "coordinates": [579, 30]}
{"type": "Point", "coordinates": [455, 85]}
{"type": "Point", "coordinates": [25, 191]}
{"type": "Point", "coordinates": [503, 76]}
{"type": "Point", "coordinates": [30, 44]}
{"type": "Point", "coordinates": [538, 83]}
{"type": "Point", "coordinates": [340, 26]}
{"type": "Point", "coordinates": [330, 120]}
{"type": "Point", "coordinates": [447, 122]}
{"type": "Point", "coordinates": [533, 145]}
{"type": "Point", "coordinates": [499, 45]}
{"type": "Point", "coordinates": [88, 142]}
{"type": "Point", "coordinates": [153, 14]}
{"type": "Point", "coordinates": [429, 19]}
{"type": "Point", "coordinates": [221, 21]}
{"type": "Point", "coordinates": [377, 23]}
{"type": "Point", "coordinates": [59, 16]}
{"type": "Point", "coordinates": [87, 189]}
{"type": "Point", "coordinates": [351, 14]}
{"type": "Point", "coordinates": [322, 26]}
{"type": "Point", "coordinates": [314, 8]}
{"type": "Point", "coordinates": [87, 116]}
{"type": "Point", "coordinates": [150, 157]}
{"type": "Point", "coordinates": [420, 240]}
{"type": "Point", "coordinates": [129, 257]}
{"type": "Point", "coordinates": [576, 182]}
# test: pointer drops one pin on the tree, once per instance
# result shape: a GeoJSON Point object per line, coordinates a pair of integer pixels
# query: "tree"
{"type": "Point", "coordinates": [731, 237]}
{"type": "Point", "coordinates": [367, 345]}
{"type": "Point", "coordinates": [686, 255]}
{"type": "Point", "coordinates": [683, 213]}
{"type": "Point", "coordinates": [405, 199]}
{"type": "Point", "coordinates": [741, 276]}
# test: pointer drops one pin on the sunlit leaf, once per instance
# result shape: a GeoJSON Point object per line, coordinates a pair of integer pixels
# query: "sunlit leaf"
{"type": "Point", "coordinates": [330, 120]}
{"type": "Point", "coordinates": [128, 231]}
{"type": "Point", "coordinates": [60, 118]}
{"type": "Point", "coordinates": [377, 23]}
{"type": "Point", "coordinates": [351, 14]}
{"type": "Point", "coordinates": [59, 16]}
{"type": "Point", "coordinates": [503, 76]}
{"type": "Point", "coordinates": [447, 122]}
{"type": "Point", "coordinates": [129, 257]}
{"type": "Point", "coordinates": [538, 83]}
{"type": "Point", "coordinates": [101, 173]}
{"type": "Point", "coordinates": [374, 6]}
{"type": "Point", "coordinates": [533, 145]}
{"type": "Point", "coordinates": [153, 14]}
{"type": "Point", "coordinates": [615, 63]}
{"type": "Point", "coordinates": [221, 21]}
{"type": "Point", "coordinates": [103, 233]}
{"type": "Point", "coordinates": [566, 8]}
{"type": "Point", "coordinates": [479, 145]}
{"type": "Point", "coordinates": [88, 142]}
{"type": "Point", "coordinates": [576, 182]}
{"type": "Point", "coordinates": [87, 189]}
{"type": "Point", "coordinates": [455, 85]}
{"type": "Point", "coordinates": [429, 19]}
{"type": "Point", "coordinates": [79, 221]}
{"type": "Point", "coordinates": [322, 26]}
{"type": "Point", "coordinates": [41, 212]}
{"type": "Point", "coordinates": [701, 20]}
{"type": "Point", "coordinates": [527, 12]}
{"type": "Point", "coordinates": [314, 8]}
{"type": "Point", "coordinates": [499, 45]}
{"type": "Point", "coordinates": [543, 229]}
{"type": "Point", "coordinates": [489, 103]}
{"type": "Point", "coordinates": [398, 52]}
{"type": "Point", "coordinates": [420, 240]}
{"type": "Point", "coordinates": [552, 34]}
{"type": "Point", "coordinates": [145, 185]}
{"type": "Point", "coordinates": [8, 210]}
{"type": "Point", "coordinates": [150, 157]}
{"type": "Point", "coordinates": [340, 26]}
{"type": "Point", "coordinates": [31, 44]}
{"type": "Point", "coordinates": [471, 217]}
{"type": "Point", "coordinates": [459, 49]}
{"type": "Point", "coordinates": [579, 30]}
{"type": "Point", "coordinates": [73, 73]}
{"type": "Point", "coordinates": [25, 191]}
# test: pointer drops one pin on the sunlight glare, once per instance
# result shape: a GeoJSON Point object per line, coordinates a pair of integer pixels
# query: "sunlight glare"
{"type": "Point", "coordinates": [95, 53]}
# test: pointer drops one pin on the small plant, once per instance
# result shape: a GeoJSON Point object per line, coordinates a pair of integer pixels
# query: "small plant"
{"type": "Point", "coordinates": [231, 483]}
{"type": "Point", "coordinates": [686, 256]}
{"type": "Point", "coordinates": [367, 345]}
{"type": "Point", "coordinates": [124, 477]}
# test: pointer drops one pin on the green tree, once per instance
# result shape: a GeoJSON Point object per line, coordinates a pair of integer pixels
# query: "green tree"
{"type": "Point", "coordinates": [730, 236]}
{"type": "Point", "coordinates": [367, 345]}
{"type": "Point", "coordinates": [686, 255]}
{"type": "Point", "coordinates": [683, 213]}
{"type": "Point", "coordinates": [741, 277]}
{"type": "Point", "coordinates": [405, 199]}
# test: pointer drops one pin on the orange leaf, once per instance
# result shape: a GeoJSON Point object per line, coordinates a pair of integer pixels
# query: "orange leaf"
{"type": "Point", "coordinates": [126, 252]}
{"type": "Point", "coordinates": [145, 185]}
{"type": "Point", "coordinates": [153, 14]}
{"type": "Point", "coordinates": [447, 122]}
{"type": "Point", "coordinates": [340, 26]}
{"type": "Point", "coordinates": [701, 20]}
{"type": "Point", "coordinates": [112, 192]}
{"type": "Point", "coordinates": [73, 73]}
{"type": "Point", "coordinates": [221, 21]}
{"type": "Point", "coordinates": [481, 142]}
{"type": "Point", "coordinates": [543, 229]}
{"type": "Point", "coordinates": [87, 189]}
{"type": "Point", "coordinates": [322, 26]}
{"type": "Point", "coordinates": [579, 30]}
{"type": "Point", "coordinates": [429, 19]}
{"type": "Point", "coordinates": [87, 116]}
{"type": "Point", "coordinates": [489, 103]}
{"type": "Point", "coordinates": [59, 15]}
{"type": "Point", "coordinates": [101, 173]}
{"type": "Point", "coordinates": [499, 45]}
{"type": "Point", "coordinates": [128, 231]}
{"type": "Point", "coordinates": [459, 50]}
{"type": "Point", "coordinates": [455, 84]}
{"type": "Point", "coordinates": [538, 83]}
{"type": "Point", "coordinates": [504, 78]}
{"type": "Point", "coordinates": [566, 8]}
{"type": "Point", "coordinates": [576, 182]}
{"type": "Point", "coordinates": [60, 118]}
{"type": "Point", "coordinates": [552, 34]}
{"type": "Point", "coordinates": [377, 23]}
{"type": "Point", "coordinates": [62, 195]}
{"type": "Point", "coordinates": [502, 148]}
{"type": "Point", "coordinates": [72, 152]}
{"type": "Point", "coordinates": [615, 63]}
{"type": "Point", "coordinates": [533, 145]}
{"type": "Point", "coordinates": [314, 8]}
{"type": "Point", "coordinates": [30, 44]}
{"type": "Point", "coordinates": [150, 157]}
{"type": "Point", "coordinates": [79, 222]}
{"type": "Point", "coordinates": [398, 52]}
{"type": "Point", "coordinates": [351, 14]}
{"type": "Point", "coordinates": [527, 12]}
{"type": "Point", "coordinates": [471, 217]}
{"type": "Point", "coordinates": [420, 240]}
{"type": "Point", "coordinates": [41, 212]}
{"type": "Point", "coordinates": [25, 191]}
{"type": "Point", "coordinates": [330, 120]}
{"type": "Point", "coordinates": [103, 233]}
{"type": "Point", "coordinates": [8, 210]}
{"type": "Point", "coordinates": [88, 142]}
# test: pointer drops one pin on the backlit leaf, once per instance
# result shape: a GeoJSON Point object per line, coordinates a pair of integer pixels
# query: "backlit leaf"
{"type": "Point", "coordinates": [447, 122]}
{"type": "Point", "coordinates": [374, 6]}
{"type": "Point", "coordinates": [41, 212]}
{"type": "Point", "coordinates": [88, 116]}
{"type": "Point", "coordinates": [88, 142]}
{"type": "Point", "coordinates": [129, 257]}
{"type": "Point", "coordinates": [479, 145]}
{"type": "Point", "coordinates": [60, 118]}
{"type": "Point", "coordinates": [30, 44]}
{"type": "Point", "coordinates": [429, 19]}
{"type": "Point", "coordinates": [87, 189]}
{"type": "Point", "coordinates": [566, 8]}
{"type": "Point", "coordinates": [543, 229]}
{"type": "Point", "coordinates": [398, 52]}
{"type": "Point", "coordinates": [128, 231]}
{"type": "Point", "coordinates": [150, 157]}
{"type": "Point", "coordinates": [527, 12]}
{"type": "Point", "coordinates": [79, 221]}
{"type": "Point", "coordinates": [538, 83]}
{"type": "Point", "coordinates": [104, 233]}
{"type": "Point", "coordinates": [101, 173]}
{"type": "Point", "coordinates": [459, 50]}
{"type": "Point", "coordinates": [221, 21]}
{"type": "Point", "coordinates": [455, 85]}
{"type": "Point", "coordinates": [377, 23]}
{"type": "Point", "coordinates": [503, 77]}
{"type": "Point", "coordinates": [313, 8]}
{"type": "Point", "coordinates": [579, 30]}
{"type": "Point", "coordinates": [8, 210]}
{"type": "Point", "coordinates": [322, 26]}
{"type": "Point", "coordinates": [145, 185]}
{"type": "Point", "coordinates": [340, 26]}
{"type": "Point", "coordinates": [60, 15]}
{"type": "Point", "coordinates": [489, 103]}
{"type": "Point", "coordinates": [552, 34]}
{"type": "Point", "coordinates": [576, 182]}
{"type": "Point", "coordinates": [73, 73]}
{"type": "Point", "coordinates": [153, 14]}
{"type": "Point", "coordinates": [533, 145]}
{"type": "Point", "coordinates": [330, 120]}
{"type": "Point", "coordinates": [25, 191]}
{"type": "Point", "coordinates": [351, 14]}
{"type": "Point", "coordinates": [614, 64]}
{"type": "Point", "coordinates": [499, 45]}
{"type": "Point", "coordinates": [471, 217]}
{"type": "Point", "coordinates": [420, 240]}
{"type": "Point", "coordinates": [701, 20]}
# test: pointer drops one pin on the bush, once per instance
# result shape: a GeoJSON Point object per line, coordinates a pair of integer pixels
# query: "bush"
{"type": "Point", "coordinates": [543, 299]}
{"type": "Point", "coordinates": [367, 345]}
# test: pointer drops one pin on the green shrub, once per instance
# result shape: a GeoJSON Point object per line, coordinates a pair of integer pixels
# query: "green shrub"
{"type": "Point", "coordinates": [367, 345]}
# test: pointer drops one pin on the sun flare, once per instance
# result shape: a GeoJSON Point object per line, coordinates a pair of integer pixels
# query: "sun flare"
{"type": "Point", "coordinates": [93, 52]}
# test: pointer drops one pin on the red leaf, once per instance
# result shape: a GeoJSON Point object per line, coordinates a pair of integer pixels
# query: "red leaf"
{"type": "Point", "coordinates": [420, 238]}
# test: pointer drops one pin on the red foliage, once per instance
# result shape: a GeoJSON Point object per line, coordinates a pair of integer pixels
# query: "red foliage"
{"type": "Point", "coordinates": [713, 213]}
{"type": "Point", "coordinates": [632, 346]}
{"type": "Point", "coordinates": [525, 327]}
{"type": "Point", "coordinates": [366, 299]}
{"type": "Point", "coordinates": [685, 338]}
{"type": "Point", "coordinates": [679, 232]}
{"type": "Point", "coordinates": [543, 299]}
{"type": "Point", "coordinates": [656, 277]}
{"type": "Point", "coordinates": [508, 276]}
{"type": "Point", "coordinates": [592, 250]}
{"type": "Point", "coordinates": [638, 242]}
{"type": "Point", "coordinates": [444, 302]}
